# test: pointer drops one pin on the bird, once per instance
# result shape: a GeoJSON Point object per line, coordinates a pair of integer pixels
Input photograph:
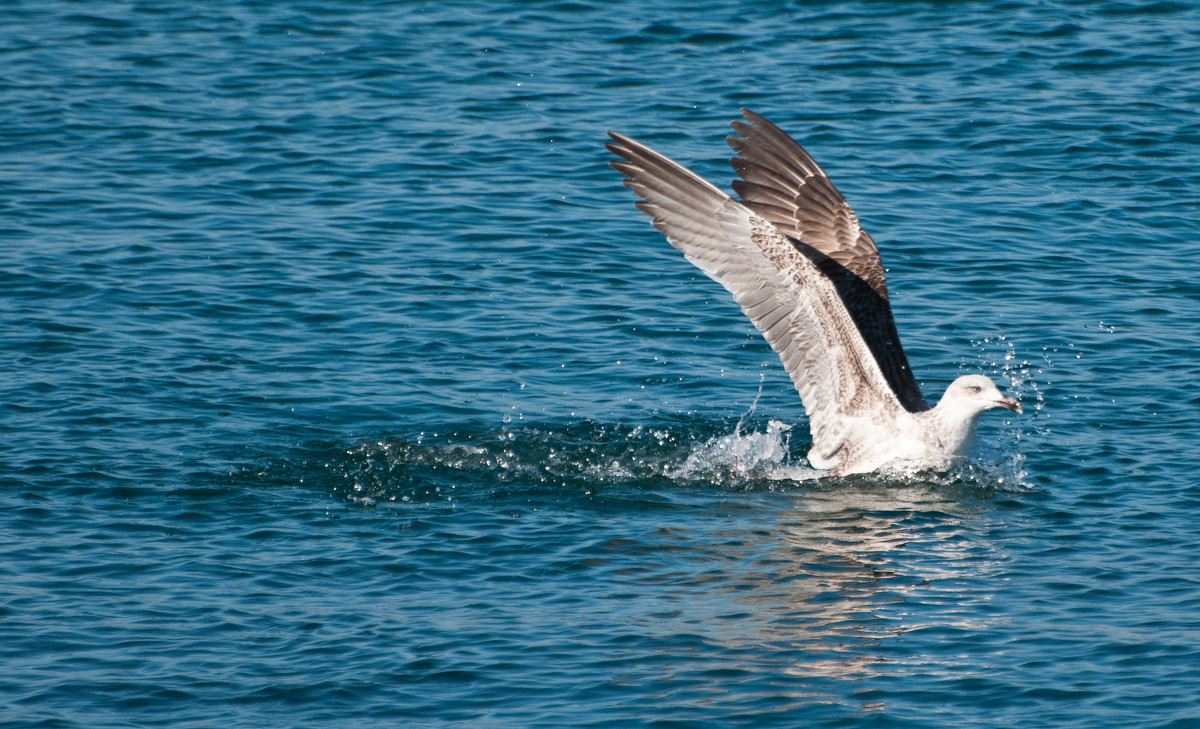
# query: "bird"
{"type": "Point", "coordinates": [793, 255]}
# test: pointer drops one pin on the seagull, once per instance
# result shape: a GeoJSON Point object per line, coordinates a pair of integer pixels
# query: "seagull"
{"type": "Point", "coordinates": [793, 255]}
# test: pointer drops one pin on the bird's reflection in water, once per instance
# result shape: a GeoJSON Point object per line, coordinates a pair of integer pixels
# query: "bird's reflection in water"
{"type": "Point", "coordinates": [850, 569]}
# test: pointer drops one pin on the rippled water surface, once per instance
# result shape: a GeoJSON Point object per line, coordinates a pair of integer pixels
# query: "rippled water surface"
{"type": "Point", "coordinates": [342, 385]}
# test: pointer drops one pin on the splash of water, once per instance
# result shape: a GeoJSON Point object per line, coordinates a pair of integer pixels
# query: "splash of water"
{"type": "Point", "coordinates": [741, 455]}
{"type": "Point", "coordinates": [1001, 456]}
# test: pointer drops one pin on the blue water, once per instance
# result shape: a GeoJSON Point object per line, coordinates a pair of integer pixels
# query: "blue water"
{"type": "Point", "coordinates": [342, 385]}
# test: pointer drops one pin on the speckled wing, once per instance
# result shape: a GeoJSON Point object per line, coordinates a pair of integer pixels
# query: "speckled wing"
{"type": "Point", "coordinates": [782, 184]}
{"type": "Point", "coordinates": [794, 305]}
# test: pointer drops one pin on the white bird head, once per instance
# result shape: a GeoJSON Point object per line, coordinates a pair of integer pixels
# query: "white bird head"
{"type": "Point", "coordinates": [973, 394]}
{"type": "Point", "coordinates": [965, 400]}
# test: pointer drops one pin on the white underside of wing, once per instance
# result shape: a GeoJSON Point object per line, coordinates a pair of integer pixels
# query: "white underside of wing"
{"type": "Point", "coordinates": [789, 300]}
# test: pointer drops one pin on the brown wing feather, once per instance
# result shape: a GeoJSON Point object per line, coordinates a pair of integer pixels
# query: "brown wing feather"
{"type": "Point", "coordinates": [784, 185]}
{"type": "Point", "coordinates": [803, 202]}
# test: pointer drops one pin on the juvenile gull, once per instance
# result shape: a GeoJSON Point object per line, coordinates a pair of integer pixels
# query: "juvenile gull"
{"type": "Point", "coordinates": [795, 259]}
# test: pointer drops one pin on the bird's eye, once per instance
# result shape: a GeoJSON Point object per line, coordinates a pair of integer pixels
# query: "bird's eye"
{"type": "Point", "coordinates": [974, 389]}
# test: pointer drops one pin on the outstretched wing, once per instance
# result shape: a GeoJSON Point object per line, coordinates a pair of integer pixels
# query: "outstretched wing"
{"type": "Point", "coordinates": [783, 185]}
{"type": "Point", "coordinates": [794, 304]}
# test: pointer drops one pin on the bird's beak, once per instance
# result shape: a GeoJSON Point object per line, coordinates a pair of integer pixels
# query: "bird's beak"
{"type": "Point", "coordinates": [1009, 404]}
